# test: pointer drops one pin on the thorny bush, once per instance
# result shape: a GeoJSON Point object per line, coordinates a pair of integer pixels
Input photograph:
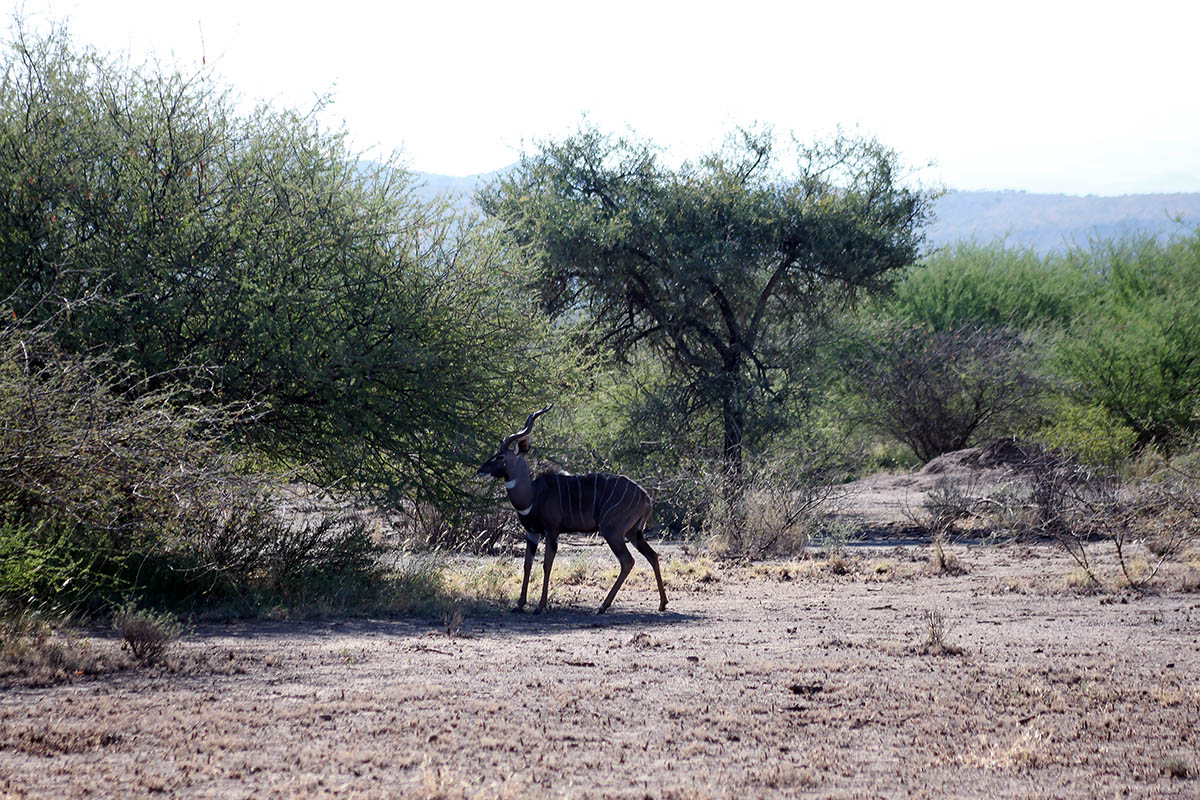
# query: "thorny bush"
{"type": "Point", "coordinates": [938, 391]}
{"type": "Point", "coordinates": [1076, 505]}
{"type": "Point", "coordinates": [105, 496]}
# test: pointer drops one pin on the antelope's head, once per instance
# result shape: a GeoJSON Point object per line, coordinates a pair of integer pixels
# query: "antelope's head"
{"type": "Point", "coordinates": [504, 463]}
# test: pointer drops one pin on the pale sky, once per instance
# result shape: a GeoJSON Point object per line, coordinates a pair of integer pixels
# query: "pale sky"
{"type": "Point", "coordinates": [1074, 97]}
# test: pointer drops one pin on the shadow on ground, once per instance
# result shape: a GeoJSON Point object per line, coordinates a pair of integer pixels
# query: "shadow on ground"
{"type": "Point", "coordinates": [488, 624]}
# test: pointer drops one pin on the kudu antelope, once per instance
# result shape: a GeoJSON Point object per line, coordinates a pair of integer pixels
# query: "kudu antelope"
{"type": "Point", "coordinates": [553, 503]}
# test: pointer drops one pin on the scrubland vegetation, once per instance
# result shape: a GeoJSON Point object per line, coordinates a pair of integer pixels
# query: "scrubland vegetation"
{"type": "Point", "coordinates": [246, 379]}
{"type": "Point", "coordinates": [241, 373]}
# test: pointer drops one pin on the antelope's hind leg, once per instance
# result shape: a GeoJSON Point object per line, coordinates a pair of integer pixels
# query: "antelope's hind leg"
{"type": "Point", "coordinates": [643, 547]}
{"type": "Point", "coordinates": [616, 541]}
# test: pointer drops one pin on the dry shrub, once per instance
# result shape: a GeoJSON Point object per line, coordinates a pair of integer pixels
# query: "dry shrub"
{"type": "Point", "coordinates": [939, 390]}
{"type": "Point", "coordinates": [944, 507]}
{"type": "Point", "coordinates": [1078, 505]}
{"type": "Point", "coordinates": [40, 651]}
{"type": "Point", "coordinates": [774, 508]}
{"type": "Point", "coordinates": [472, 530]}
{"type": "Point", "coordinates": [839, 564]}
{"type": "Point", "coordinates": [146, 634]}
{"type": "Point", "coordinates": [1177, 766]}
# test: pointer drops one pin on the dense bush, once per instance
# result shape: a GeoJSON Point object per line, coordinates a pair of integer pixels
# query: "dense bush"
{"type": "Point", "coordinates": [1115, 323]}
{"type": "Point", "coordinates": [1135, 350]}
{"type": "Point", "coordinates": [106, 496]}
{"type": "Point", "coordinates": [1088, 433]}
{"type": "Point", "coordinates": [254, 258]}
{"type": "Point", "coordinates": [996, 285]}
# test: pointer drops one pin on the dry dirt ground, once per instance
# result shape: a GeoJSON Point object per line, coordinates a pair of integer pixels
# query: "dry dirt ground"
{"type": "Point", "coordinates": [802, 679]}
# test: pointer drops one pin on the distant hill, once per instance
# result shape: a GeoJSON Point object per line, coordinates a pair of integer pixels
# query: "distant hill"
{"type": "Point", "coordinates": [1044, 222]}
{"type": "Point", "coordinates": [460, 188]}
{"type": "Point", "coordinates": [1049, 222]}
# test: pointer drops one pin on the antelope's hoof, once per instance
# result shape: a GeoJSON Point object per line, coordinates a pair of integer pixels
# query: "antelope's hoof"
{"type": "Point", "coordinates": [518, 610]}
{"type": "Point", "coordinates": [539, 609]}
{"type": "Point", "coordinates": [662, 606]}
{"type": "Point", "coordinates": [602, 610]}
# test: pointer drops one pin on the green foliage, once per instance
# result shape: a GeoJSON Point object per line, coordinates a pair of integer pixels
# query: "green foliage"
{"type": "Point", "coordinates": [56, 565]}
{"type": "Point", "coordinates": [1088, 433]}
{"type": "Point", "coordinates": [994, 284]}
{"type": "Point", "coordinates": [720, 268]}
{"type": "Point", "coordinates": [1124, 322]}
{"type": "Point", "coordinates": [1135, 351]}
{"type": "Point", "coordinates": [254, 257]}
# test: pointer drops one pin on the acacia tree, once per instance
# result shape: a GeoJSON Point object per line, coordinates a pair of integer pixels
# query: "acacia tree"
{"type": "Point", "coordinates": [723, 265]}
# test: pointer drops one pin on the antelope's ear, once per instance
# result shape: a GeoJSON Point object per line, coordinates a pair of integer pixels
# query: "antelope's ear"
{"type": "Point", "coordinates": [523, 445]}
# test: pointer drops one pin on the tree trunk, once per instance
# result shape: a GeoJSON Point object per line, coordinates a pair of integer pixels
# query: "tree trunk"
{"type": "Point", "coordinates": [734, 419]}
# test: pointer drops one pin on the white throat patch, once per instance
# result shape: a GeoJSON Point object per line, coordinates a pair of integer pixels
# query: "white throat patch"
{"type": "Point", "coordinates": [524, 511]}
{"type": "Point", "coordinates": [510, 484]}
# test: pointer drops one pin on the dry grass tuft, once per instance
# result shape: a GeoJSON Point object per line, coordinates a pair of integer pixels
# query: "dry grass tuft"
{"type": "Point", "coordinates": [698, 570]}
{"type": "Point", "coordinates": [1082, 580]}
{"type": "Point", "coordinates": [1028, 750]}
{"type": "Point", "coordinates": [439, 784]}
{"type": "Point", "coordinates": [577, 571]}
{"type": "Point", "coordinates": [53, 740]}
{"type": "Point", "coordinates": [934, 643]}
{"type": "Point", "coordinates": [643, 640]}
{"type": "Point", "coordinates": [944, 562]}
{"type": "Point", "coordinates": [782, 571]}
{"type": "Point", "coordinates": [36, 653]}
{"type": "Point", "coordinates": [452, 621]}
{"type": "Point", "coordinates": [838, 565]}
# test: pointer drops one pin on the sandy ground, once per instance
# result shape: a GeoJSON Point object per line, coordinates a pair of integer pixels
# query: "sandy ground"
{"type": "Point", "coordinates": [772, 681]}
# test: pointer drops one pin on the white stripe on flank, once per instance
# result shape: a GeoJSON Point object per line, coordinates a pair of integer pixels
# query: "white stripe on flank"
{"type": "Point", "coordinates": [607, 497]}
{"type": "Point", "coordinates": [624, 489]}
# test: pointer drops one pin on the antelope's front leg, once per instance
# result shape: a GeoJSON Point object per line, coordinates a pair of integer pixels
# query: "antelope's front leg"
{"type": "Point", "coordinates": [531, 542]}
{"type": "Point", "coordinates": [547, 563]}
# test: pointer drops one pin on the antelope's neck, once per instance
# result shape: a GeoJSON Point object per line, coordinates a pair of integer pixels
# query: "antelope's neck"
{"type": "Point", "coordinates": [520, 488]}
